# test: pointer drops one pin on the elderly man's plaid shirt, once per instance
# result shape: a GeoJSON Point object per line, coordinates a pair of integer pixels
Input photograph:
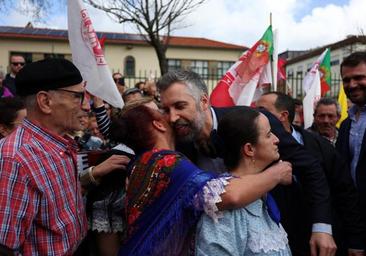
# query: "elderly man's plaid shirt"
{"type": "Point", "coordinates": [41, 208]}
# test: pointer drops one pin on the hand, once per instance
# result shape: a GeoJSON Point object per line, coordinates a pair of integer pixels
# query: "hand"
{"type": "Point", "coordinates": [283, 172]}
{"type": "Point", "coordinates": [352, 252]}
{"type": "Point", "coordinates": [112, 163]}
{"type": "Point", "coordinates": [97, 102]}
{"type": "Point", "coordinates": [322, 244]}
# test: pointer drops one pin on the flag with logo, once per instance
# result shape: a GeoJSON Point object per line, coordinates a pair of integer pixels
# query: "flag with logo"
{"type": "Point", "coordinates": [88, 56]}
{"type": "Point", "coordinates": [342, 100]}
{"type": "Point", "coordinates": [312, 88]}
{"type": "Point", "coordinates": [324, 69]}
{"type": "Point", "coordinates": [243, 82]}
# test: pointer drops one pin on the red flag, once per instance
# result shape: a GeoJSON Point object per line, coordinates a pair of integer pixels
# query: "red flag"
{"type": "Point", "coordinates": [281, 64]}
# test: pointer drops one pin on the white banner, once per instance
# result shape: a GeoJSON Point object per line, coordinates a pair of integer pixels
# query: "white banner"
{"type": "Point", "coordinates": [312, 96]}
{"type": "Point", "coordinates": [88, 56]}
{"type": "Point", "coordinates": [312, 88]}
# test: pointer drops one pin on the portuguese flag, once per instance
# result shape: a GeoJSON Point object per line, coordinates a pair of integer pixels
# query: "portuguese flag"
{"type": "Point", "coordinates": [324, 69]}
{"type": "Point", "coordinates": [242, 83]}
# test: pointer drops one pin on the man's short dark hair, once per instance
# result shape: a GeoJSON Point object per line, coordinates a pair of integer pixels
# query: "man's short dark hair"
{"type": "Point", "coordinates": [353, 60]}
{"type": "Point", "coordinates": [328, 101]}
{"type": "Point", "coordinates": [284, 102]}
{"type": "Point", "coordinates": [16, 55]}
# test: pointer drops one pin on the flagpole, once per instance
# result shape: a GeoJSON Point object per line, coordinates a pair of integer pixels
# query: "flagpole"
{"type": "Point", "coordinates": [270, 18]}
{"type": "Point", "coordinates": [275, 59]}
{"type": "Point", "coordinates": [273, 85]}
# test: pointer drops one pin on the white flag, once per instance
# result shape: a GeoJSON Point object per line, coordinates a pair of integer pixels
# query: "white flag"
{"type": "Point", "coordinates": [88, 56]}
{"type": "Point", "coordinates": [312, 96]}
{"type": "Point", "coordinates": [312, 89]}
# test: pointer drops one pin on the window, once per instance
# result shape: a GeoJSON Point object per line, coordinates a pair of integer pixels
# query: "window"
{"type": "Point", "coordinates": [290, 72]}
{"type": "Point", "coordinates": [223, 67]}
{"type": "Point", "coordinates": [299, 70]}
{"type": "Point", "coordinates": [174, 64]}
{"type": "Point", "coordinates": [200, 67]}
{"type": "Point", "coordinates": [308, 67]}
{"type": "Point", "coordinates": [334, 62]}
{"type": "Point", "coordinates": [129, 66]}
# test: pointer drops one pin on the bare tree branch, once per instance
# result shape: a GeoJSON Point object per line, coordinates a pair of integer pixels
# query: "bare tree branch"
{"type": "Point", "coordinates": [154, 19]}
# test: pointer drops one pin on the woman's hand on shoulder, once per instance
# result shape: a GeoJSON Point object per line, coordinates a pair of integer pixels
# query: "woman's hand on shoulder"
{"type": "Point", "coordinates": [282, 171]}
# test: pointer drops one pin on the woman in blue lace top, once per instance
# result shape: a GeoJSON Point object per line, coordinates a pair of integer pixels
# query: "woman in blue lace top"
{"type": "Point", "coordinates": [249, 147]}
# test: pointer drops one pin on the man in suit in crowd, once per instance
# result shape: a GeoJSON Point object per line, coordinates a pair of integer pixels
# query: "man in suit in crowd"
{"type": "Point", "coordinates": [16, 64]}
{"type": "Point", "coordinates": [184, 97]}
{"type": "Point", "coordinates": [351, 142]}
{"type": "Point", "coordinates": [347, 225]}
{"type": "Point", "coordinates": [326, 115]}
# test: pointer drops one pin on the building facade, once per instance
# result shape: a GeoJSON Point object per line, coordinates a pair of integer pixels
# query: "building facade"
{"type": "Point", "coordinates": [125, 53]}
{"type": "Point", "coordinates": [300, 62]}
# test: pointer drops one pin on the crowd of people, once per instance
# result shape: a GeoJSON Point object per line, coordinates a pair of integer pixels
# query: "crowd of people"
{"type": "Point", "coordinates": [168, 174]}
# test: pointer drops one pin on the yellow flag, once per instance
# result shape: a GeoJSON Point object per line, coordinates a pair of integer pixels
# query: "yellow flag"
{"type": "Point", "coordinates": [342, 100]}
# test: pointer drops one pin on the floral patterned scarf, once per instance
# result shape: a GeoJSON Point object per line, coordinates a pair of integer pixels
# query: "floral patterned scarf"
{"type": "Point", "coordinates": [160, 203]}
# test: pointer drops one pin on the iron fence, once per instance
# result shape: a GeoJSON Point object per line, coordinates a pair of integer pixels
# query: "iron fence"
{"type": "Point", "coordinates": [293, 83]}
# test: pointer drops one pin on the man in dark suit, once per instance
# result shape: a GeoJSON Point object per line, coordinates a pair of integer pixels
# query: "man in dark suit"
{"type": "Point", "coordinates": [348, 226]}
{"type": "Point", "coordinates": [184, 97]}
{"type": "Point", "coordinates": [351, 142]}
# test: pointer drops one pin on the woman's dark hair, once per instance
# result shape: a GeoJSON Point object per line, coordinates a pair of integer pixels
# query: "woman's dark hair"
{"type": "Point", "coordinates": [134, 128]}
{"type": "Point", "coordinates": [9, 108]}
{"type": "Point", "coordinates": [237, 127]}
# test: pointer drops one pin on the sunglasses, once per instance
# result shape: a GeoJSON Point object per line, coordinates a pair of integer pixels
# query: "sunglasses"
{"type": "Point", "coordinates": [78, 95]}
{"type": "Point", "coordinates": [18, 63]}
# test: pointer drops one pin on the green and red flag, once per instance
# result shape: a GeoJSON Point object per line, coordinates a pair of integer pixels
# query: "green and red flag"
{"type": "Point", "coordinates": [324, 69]}
{"type": "Point", "coordinates": [242, 83]}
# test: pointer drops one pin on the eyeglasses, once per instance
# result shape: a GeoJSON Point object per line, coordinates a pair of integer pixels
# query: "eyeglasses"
{"type": "Point", "coordinates": [78, 95]}
{"type": "Point", "coordinates": [18, 63]}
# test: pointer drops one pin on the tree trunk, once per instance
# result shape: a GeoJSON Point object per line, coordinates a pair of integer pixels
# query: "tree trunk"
{"type": "Point", "coordinates": [160, 51]}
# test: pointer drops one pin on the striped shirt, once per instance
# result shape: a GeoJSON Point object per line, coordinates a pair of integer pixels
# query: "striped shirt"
{"type": "Point", "coordinates": [41, 208]}
{"type": "Point", "coordinates": [103, 120]}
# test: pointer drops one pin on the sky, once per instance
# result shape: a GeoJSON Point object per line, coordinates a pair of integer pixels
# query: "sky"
{"type": "Point", "coordinates": [301, 24]}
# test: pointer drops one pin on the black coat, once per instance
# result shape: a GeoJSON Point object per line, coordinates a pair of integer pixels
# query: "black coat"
{"type": "Point", "coordinates": [342, 146]}
{"type": "Point", "coordinates": [347, 223]}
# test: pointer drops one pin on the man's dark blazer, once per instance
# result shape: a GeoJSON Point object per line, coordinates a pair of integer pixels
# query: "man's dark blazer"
{"type": "Point", "coordinates": [306, 168]}
{"type": "Point", "coordinates": [347, 223]}
{"type": "Point", "coordinates": [342, 146]}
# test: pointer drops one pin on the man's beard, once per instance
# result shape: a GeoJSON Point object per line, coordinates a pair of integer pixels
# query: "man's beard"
{"type": "Point", "coordinates": [194, 126]}
{"type": "Point", "coordinates": [358, 102]}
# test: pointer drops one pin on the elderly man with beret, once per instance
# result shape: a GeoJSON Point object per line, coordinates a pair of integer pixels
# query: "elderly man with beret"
{"type": "Point", "coordinates": [41, 208]}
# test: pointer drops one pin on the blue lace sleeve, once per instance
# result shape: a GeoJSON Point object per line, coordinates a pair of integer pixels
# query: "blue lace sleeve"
{"type": "Point", "coordinates": [207, 198]}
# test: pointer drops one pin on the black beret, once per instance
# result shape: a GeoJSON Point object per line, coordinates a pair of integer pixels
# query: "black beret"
{"type": "Point", "coordinates": [47, 74]}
